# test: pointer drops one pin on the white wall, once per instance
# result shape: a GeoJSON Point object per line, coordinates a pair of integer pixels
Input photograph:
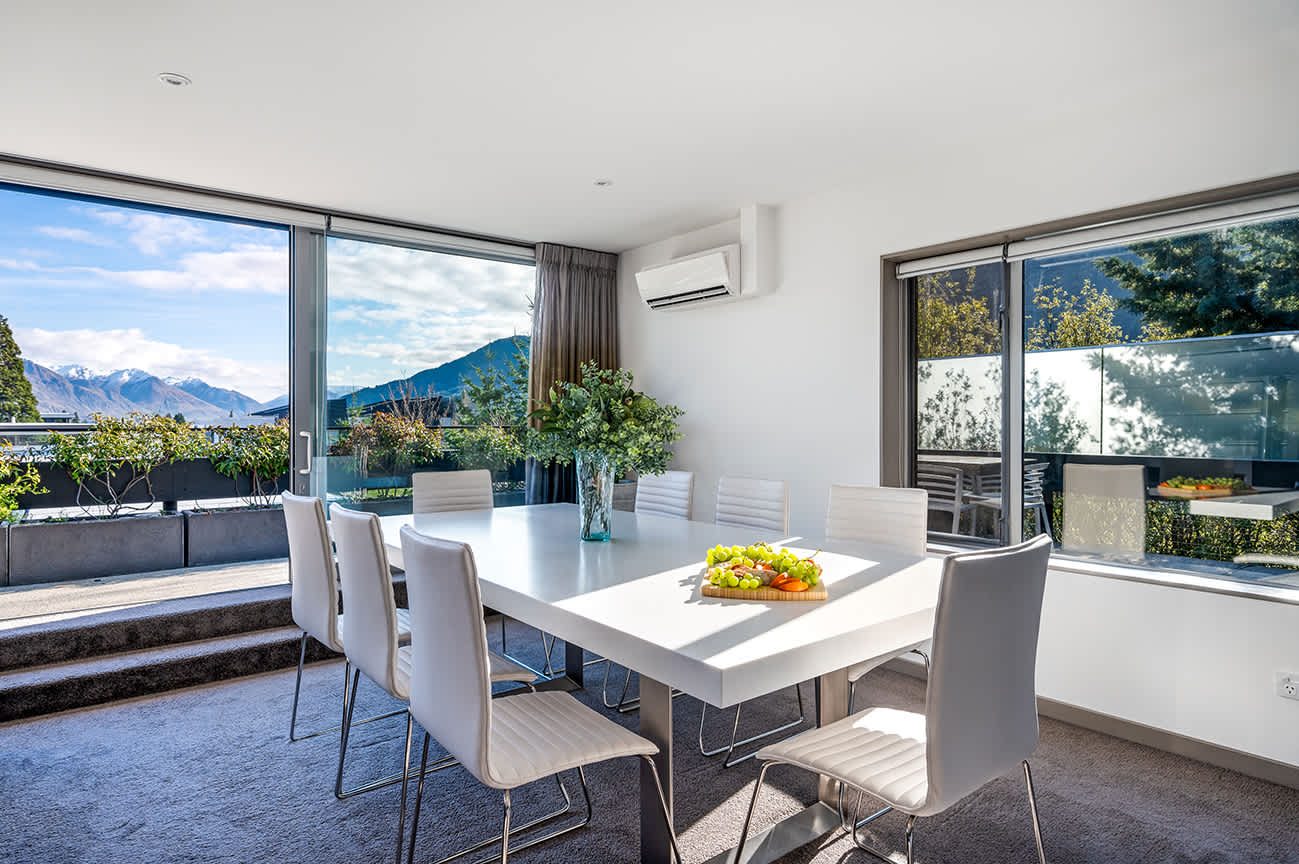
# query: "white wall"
{"type": "Point", "coordinates": [787, 385]}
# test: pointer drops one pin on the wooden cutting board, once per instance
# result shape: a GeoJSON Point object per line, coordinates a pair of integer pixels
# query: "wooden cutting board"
{"type": "Point", "coordinates": [1174, 492]}
{"type": "Point", "coordinates": [816, 592]}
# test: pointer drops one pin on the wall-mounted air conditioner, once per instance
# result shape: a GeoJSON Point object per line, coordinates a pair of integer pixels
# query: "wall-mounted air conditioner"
{"type": "Point", "coordinates": [700, 278]}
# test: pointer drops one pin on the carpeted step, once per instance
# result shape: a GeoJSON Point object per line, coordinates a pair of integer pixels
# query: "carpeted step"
{"type": "Point", "coordinates": [78, 683]}
{"type": "Point", "coordinates": [152, 625]}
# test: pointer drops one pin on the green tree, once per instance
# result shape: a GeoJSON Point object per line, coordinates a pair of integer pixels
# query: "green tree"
{"type": "Point", "coordinates": [16, 399]}
{"type": "Point", "coordinates": [950, 320]}
{"type": "Point", "coordinates": [178, 417]}
{"type": "Point", "coordinates": [1072, 318]}
{"type": "Point", "coordinates": [495, 397]}
{"type": "Point", "coordinates": [1243, 279]}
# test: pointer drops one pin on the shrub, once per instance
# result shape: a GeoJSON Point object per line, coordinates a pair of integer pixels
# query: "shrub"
{"type": "Point", "coordinates": [16, 478]}
{"type": "Point", "coordinates": [490, 447]}
{"type": "Point", "coordinates": [260, 453]}
{"type": "Point", "coordinates": [115, 457]}
{"type": "Point", "coordinates": [388, 444]}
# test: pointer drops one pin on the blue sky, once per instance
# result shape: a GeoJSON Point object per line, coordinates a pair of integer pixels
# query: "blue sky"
{"type": "Point", "coordinates": [111, 287]}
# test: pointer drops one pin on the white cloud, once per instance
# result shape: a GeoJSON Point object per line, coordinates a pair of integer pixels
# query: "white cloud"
{"type": "Point", "coordinates": [416, 309]}
{"type": "Point", "coordinates": [151, 232]}
{"type": "Point", "coordinates": [12, 264]}
{"type": "Point", "coordinates": [246, 267]}
{"type": "Point", "coordinates": [133, 349]}
{"type": "Point", "coordinates": [79, 235]}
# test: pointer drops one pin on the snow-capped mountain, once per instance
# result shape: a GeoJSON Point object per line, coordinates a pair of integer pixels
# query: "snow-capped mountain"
{"type": "Point", "coordinates": [83, 391]}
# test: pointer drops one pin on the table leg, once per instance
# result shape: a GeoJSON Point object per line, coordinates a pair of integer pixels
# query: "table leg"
{"type": "Point", "coordinates": [656, 725]}
{"type": "Point", "coordinates": [831, 705]}
{"type": "Point", "coordinates": [812, 822]}
{"type": "Point", "coordinates": [573, 663]}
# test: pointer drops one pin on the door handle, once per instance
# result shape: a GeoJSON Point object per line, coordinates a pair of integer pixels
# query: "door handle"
{"type": "Point", "coordinates": [306, 471]}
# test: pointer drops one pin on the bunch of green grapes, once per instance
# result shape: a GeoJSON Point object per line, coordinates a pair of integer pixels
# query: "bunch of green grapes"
{"type": "Point", "coordinates": [781, 561]}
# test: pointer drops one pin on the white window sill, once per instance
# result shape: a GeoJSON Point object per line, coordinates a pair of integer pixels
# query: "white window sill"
{"type": "Point", "coordinates": [1168, 576]}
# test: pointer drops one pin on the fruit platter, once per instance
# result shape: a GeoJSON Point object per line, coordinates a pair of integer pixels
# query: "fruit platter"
{"type": "Point", "coordinates": [761, 572]}
{"type": "Point", "coordinates": [1204, 487]}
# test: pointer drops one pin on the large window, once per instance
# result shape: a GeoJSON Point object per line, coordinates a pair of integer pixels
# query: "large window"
{"type": "Point", "coordinates": [427, 370]}
{"type": "Point", "coordinates": [130, 313]}
{"type": "Point", "coordinates": [1154, 391]}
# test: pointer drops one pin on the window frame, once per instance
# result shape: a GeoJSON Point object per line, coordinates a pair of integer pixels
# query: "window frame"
{"type": "Point", "coordinates": [1265, 200]}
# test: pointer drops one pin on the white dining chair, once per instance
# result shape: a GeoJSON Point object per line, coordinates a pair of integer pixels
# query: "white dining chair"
{"type": "Point", "coordinates": [451, 491]}
{"type": "Point", "coordinates": [666, 494]}
{"type": "Point", "coordinates": [446, 491]}
{"type": "Point", "coordinates": [980, 718]}
{"type": "Point", "coordinates": [313, 586]}
{"type": "Point", "coordinates": [746, 502]}
{"type": "Point", "coordinates": [370, 630]}
{"type": "Point", "coordinates": [494, 739]}
{"type": "Point", "coordinates": [882, 515]}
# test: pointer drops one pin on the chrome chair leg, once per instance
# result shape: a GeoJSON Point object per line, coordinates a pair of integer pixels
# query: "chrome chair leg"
{"type": "Point", "coordinates": [490, 841]}
{"type": "Point", "coordinates": [748, 816]}
{"type": "Point", "coordinates": [667, 816]}
{"type": "Point", "coordinates": [843, 818]}
{"type": "Point", "coordinates": [349, 706]}
{"type": "Point", "coordinates": [505, 831]}
{"type": "Point", "coordinates": [727, 761]}
{"type": "Point", "coordinates": [405, 777]}
{"type": "Point", "coordinates": [1032, 806]}
{"type": "Point", "coordinates": [852, 687]}
{"type": "Point", "coordinates": [297, 688]}
{"type": "Point", "coordinates": [623, 705]}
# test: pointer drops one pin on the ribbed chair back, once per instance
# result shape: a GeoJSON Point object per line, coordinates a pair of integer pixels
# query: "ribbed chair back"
{"type": "Point", "coordinates": [451, 691]}
{"type": "Point", "coordinates": [666, 494]}
{"type": "Point", "coordinates": [878, 514]}
{"type": "Point", "coordinates": [445, 491]}
{"type": "Point", "coordinates": [311, 568]}
{"type": "Point", "coordinates": [370, 619]}
{"type": "Point", "coordinates": [981, 713]}
{"type": "Point", "coordinates": [746, 502]}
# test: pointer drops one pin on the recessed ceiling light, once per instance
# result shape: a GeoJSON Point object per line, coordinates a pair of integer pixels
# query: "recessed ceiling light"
{"type": "Point", "coordinates": [603, 182]}
{"type": "Point", "coordinates": [175, 79]}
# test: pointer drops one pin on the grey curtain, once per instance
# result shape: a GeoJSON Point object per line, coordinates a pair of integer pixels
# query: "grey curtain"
{"type": "Point", "coordinates": [574, 319]}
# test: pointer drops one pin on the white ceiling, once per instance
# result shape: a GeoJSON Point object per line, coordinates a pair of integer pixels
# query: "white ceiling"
{"type": "Point", "coordinates": [497, 116]}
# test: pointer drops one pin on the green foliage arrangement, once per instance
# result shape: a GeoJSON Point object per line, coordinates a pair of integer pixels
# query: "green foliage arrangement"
{"type": "Point", "coordinates": [260, 453]}
{"type": "Point", "coordinates": [388, 443]}
{"type": "Point", "coordinates": [115, 457]}
{"type": "Point", "coordinates": [16, 478]}
{"type": "Point", "coordinates": [604, 414]}
{"type": "Point", "coordinates": [490, 447]}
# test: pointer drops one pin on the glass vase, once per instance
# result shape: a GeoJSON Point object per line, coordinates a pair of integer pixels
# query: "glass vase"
{"type": "Point", "coordinates": [595, 495]}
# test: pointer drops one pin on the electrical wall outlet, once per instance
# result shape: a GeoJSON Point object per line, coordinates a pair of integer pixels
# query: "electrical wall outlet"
{"type": "Point", "coordinates": [1287, 685]}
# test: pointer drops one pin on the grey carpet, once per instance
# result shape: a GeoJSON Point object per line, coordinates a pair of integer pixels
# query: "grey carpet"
{"type": "Point", "coordinates": [207, 774]}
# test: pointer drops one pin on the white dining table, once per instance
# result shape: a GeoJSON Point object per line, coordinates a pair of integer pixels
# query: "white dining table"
{"type": "Point", "coordinates": [636, 601]}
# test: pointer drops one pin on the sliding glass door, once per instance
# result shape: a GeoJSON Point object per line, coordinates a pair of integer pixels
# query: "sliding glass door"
{"type": "Point", "coordinates": [422, 366]}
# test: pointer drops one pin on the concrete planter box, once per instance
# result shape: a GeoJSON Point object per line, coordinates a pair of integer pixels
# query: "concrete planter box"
{"type": "Point", "coordinates": [63, 551]}
{"type": "Point", "coordinates": [227, 536]}
{"type": "Point", "coordinates": [193, 479]}
{"type": "Point", "coordinates": [4, 555]}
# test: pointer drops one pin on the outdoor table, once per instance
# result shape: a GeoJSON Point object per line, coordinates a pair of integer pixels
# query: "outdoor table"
{"type": "Point", "coordinates": [975, 468]}
{"type": "Point", "coordinates": [636, 601]}
{"type": "Point", "coordinates": [1264, 506]}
